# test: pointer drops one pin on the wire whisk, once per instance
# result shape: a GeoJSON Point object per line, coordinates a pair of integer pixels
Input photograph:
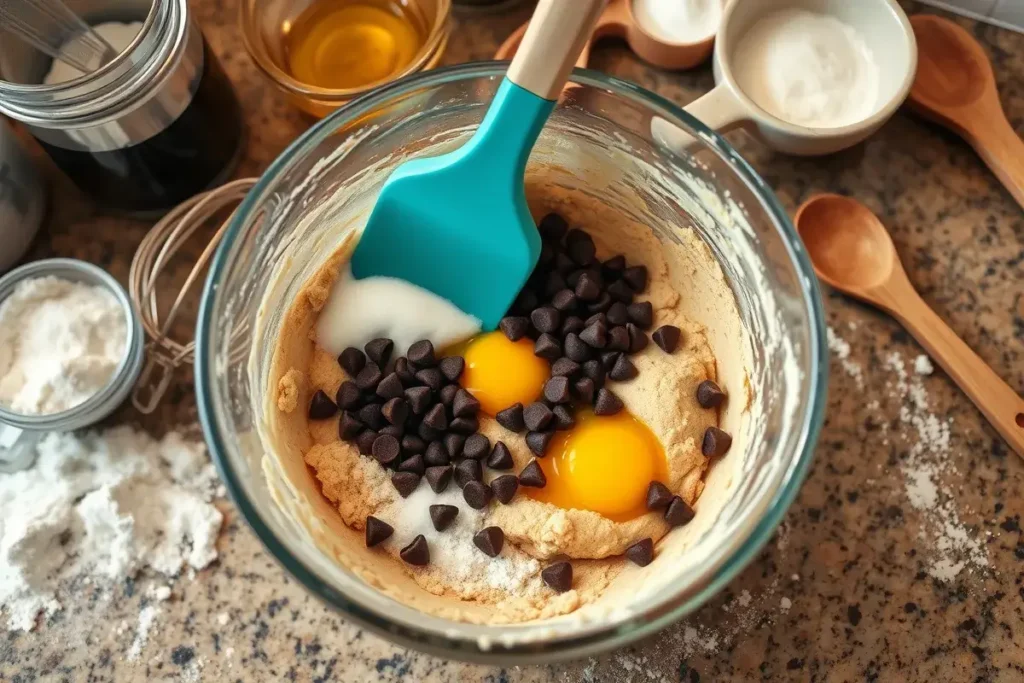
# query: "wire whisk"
{"type": "Point", "coordinates": [51, 27]}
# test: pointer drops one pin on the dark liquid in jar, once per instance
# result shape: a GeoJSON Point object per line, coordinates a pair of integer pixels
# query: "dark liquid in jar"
{"type": "Point", "coordinates": [182, 160]}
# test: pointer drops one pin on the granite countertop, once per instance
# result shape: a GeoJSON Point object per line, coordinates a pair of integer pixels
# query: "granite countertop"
{"type": "Point", "coordinates": [901, 560]}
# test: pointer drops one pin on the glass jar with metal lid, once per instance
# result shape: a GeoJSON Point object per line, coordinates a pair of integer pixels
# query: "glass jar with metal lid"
{"type": "Point", "coordinates": [154, 126]}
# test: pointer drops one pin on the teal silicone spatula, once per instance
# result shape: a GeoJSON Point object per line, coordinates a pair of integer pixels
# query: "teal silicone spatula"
{"type": "Point", "coordinates": [458, 224]}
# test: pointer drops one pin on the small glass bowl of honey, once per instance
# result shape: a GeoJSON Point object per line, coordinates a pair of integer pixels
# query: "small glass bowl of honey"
{"type": "Point", "coordinates": [324, 53]}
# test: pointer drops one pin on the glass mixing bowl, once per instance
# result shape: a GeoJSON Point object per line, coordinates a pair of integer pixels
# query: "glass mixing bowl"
{"type": "Point", "coordinates": [680, 177]}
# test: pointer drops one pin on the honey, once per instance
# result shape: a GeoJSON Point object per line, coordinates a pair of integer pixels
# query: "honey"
{"type": "Point", "coordinates": [348, 44]}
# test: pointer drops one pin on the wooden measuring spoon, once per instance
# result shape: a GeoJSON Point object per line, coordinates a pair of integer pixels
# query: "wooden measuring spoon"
{"type": "Point", "coordinates": [955, 87]}
{"type": "Point", "coordinates": [852, 251]}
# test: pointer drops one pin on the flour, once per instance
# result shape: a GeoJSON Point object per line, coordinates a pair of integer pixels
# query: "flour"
{"type": "Point", "coordinates": [923, 365]}
{"type": "Point", "coordinates": [99, 508]}
{"type": "Point", "coordinates": [841, 349]}
{"type": "Point", "coordinates": [60, 343]}
{"type": "Point", "coordinates": [678, 21]}
{"type": "Point", "coordinates": [808, 69]}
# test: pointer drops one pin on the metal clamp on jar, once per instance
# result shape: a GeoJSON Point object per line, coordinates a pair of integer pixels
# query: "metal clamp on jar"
{"type": "Point", "coordinates": [152, 127]}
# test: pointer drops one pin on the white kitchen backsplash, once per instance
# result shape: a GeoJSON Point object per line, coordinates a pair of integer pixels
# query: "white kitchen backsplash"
{"type": "Point", "coordinates": [1006, 13]}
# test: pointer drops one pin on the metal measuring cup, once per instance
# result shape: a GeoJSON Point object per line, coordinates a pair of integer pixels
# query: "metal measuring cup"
{"type": "Point", "coordinates": [20, 433]}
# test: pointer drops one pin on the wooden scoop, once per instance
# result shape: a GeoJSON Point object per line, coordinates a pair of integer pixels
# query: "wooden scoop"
{"type": "Point", "coordinates": [955, 87]}
{"type": "Point", "coordinates": [852, 251]}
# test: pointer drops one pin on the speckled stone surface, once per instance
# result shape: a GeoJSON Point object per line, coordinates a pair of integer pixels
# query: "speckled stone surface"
{"type": "Point", "coordinates": [846, 591]}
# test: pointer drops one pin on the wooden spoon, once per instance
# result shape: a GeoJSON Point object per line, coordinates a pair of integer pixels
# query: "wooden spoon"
{"type": "Point", "coordinates": [852, 251]}
{"type": "Point", "coordinates": [955, 87]}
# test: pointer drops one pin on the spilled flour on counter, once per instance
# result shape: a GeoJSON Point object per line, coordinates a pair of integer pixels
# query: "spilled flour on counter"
{"type": "Point", "coordinates": [96, 509]}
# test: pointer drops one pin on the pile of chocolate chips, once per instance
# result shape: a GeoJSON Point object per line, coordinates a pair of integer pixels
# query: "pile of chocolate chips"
{"type": "Point", "coordinates": [583, 318]}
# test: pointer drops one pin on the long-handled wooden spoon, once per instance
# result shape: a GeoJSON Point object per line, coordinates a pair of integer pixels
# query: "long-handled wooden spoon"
{"type": "Point", "coordinates": [852, 251]}
{"type": "Point", "coordinates": [955, 87]}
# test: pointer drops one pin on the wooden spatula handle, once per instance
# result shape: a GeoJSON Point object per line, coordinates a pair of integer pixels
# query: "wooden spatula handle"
{"type": "Point", "coordinates": [1001, 148]}
{"type": "Point", "coordinates": [994, 397]}
{"type": "Point", "coordinates": [554, 39]}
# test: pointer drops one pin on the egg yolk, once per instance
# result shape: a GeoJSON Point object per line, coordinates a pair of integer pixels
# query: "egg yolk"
{"type": "Point", "coordinates": [603, 464]}
{"type": "Point", "coordinates": [500, 373]}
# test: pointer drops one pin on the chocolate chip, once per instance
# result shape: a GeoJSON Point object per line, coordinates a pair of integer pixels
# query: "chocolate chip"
{"type": "Point", "coordinates": [637, 338]}
{"type": "Point", "coordinates": [422, 354]}
{"type": "Point", "coordinates": [615, 265]}
{"type": "Point", "coordinates": [349, 396]}
{"type": "Point", "coordinates": [526, 301]}
{"type": "Point", "coordinates": [533, 476]}
{"type": "Point", "coordinates": [404, 482]}
{"type": "Point", "coordinates": [413, 444]}
{"type": "Point", "coordinates": [602, 303]}
{"type": "Point", "coordinates": [436, 454]}
{"type": "Point", "coordinates": [547, 347]}
{"type": "Point", "coordinates": [552, 227]}
{"type": "Point", "coordinates": [504, 488]}
{"type": "Point", "coordinates": [512, 418]}
{"type": "Point", "coordinates": [416, 553]}
{"type": "Point", "coordinates": [709, 394]}
{"type": "Point", "coordinates": [573, 278]}
{"type": "Point", "coordinates": [321, 407]}
{"type": "Point", "coordinates": [564, 300]}
{"type": "Point", "coordinates": [386, 449]}
{"type": "Point", "coordinates": [606, 403]}
{"type": "Point", "coordinates": [453, 444]}
{"type": "Point", "coordinates": [563, 367]}
{"type": "Point", "coordinates": [368, 377]}
{"type": "Point", "coordinates": [352, 360]}
{"type": "Point", "coordinates": [537, 416]}
{"type": "Point", "coordinates": [396, 410]}
{"type": "Point", "coordinates": [477, 494]}
{"type": "Point", "coordinates": [451, 367]}
{"type": "Point", "coordinates": [581, 250]}
{"type": "Point", "coordinates": [436, 418]}
{"type": "Point", "coordinates": [620, 292]}
{"type": "Point", "coordinates": [587, 288]}
{"type": "Point", "coordinates": [554, 283]}
{"type": "Point", "coordinates": [418, 398]}
{"type": "Point", "coordinates": [575, 348]}
{"type": "Point", "coordinates": [716, 442]}
{"type": "Point", "coordinates": [556, 390]}
{"type": "Point", "coordinates": [379, 350]}
{"type": "Point", "coordinates": [514, 327]}
{"type": "Point", "coordinates": [490, 540]}
{"type": "Point", "coordinates": [564, 419]}
{"type": "Point", "coordinates": [546, 319]}
{"type": "Point", "coordinates": [414, 465]}
{"type": "Point", "coordinates": [500, 457]}
{"type": "Point", "coordinates": [678, 512]}
{"type": "Point", "coordinates": [389, 367]}
{"type": "Point", "coordinates": [428, 433]}
{"type": "Point", "coordinates": [365, 441]}
{"type": "Point", "coordinates": [558, 576]}
{"type": "Point", "coordinates": [595, 370]}
{"type": "Point", "coordinates": [641, 553]}
{"type": "Point", "coordinates": [595, 318]}
{"type": "Point", "coordinates": [442, 516]}
{"type": "Point", "coordinates": [641, 313]}
{"type": "Point", "coordinates": [667, 337]}
{"type": "Point", "coordinates": [636, 276]}
{"type": "Point", "coordinates": [377, 531]}
{"type": "Point", "coordinates": [467, 471]}
{"type": "Point", "coordinates": [623, 370]}
{"type": "Point", "coordinates": [394, 431]}
{"type": "Point", "coordinates": [584, 388]}
{"type": "Point", "coordinates": [596, 335]}
{"type": "Point", "coordinates": [573, 323]}
{"type": "Point", "coordinates": [432, 377]}
{"type": "Point", "coordinates": [447, 394]}
{"type": "Point", "coordinates": [618, 339]}
{"type": "Point", "coordinates": [538, 442]}
{"type": "Point", "coordinates": [372, 416]}
{"type": "Point", "coordinates": [658, 496]}
{"type": "Point", "coordinates": [406, 372]}
{"type": "Point", "coordinates": [464, 425]}
{"type": "Point", "coordinates": [563, 263]}
{"type": "Point", "coordinates": [349, 427]}
{"type": "Point", "coordinates": [477, 447]}
{"type": "Point", "coordinates": [617, 314]}
{"type": "Point", "coordinates": [439, 476]}
{"type": "Point", "coordinates": [465, 404]}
